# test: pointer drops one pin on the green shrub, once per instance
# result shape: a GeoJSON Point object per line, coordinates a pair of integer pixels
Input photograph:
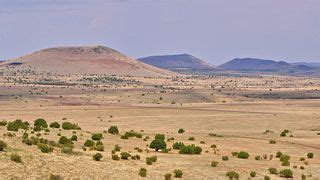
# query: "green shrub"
{"type": "Point", "coordinates": [2, 145]}
{"type": "Point", "coordinates": [177, 145]}
{"type": "Point", "coordinates": [96, 137]}
{"type": "Point", "coordinates": [178, 173]}
{"type": "Point", "coordinates": [154, 158]}
{"type": "Point", "coordinates": [285, 163]}
{"type": "Point", "coordinates": [55, 125]}
{"type": "Point", "coordinates": [310, 155]}
{"type": "Point", "coordinates": [40, 123]}
{"type": "Point", "coordinates": [138, 149]}
{"type": "Point", "coordinates": [167, 176]}
{"type": "Point", "coordinates": [99, 143]}
{"type": "Point", "coordinates": [214, 163]}
{"type": "Point", "coordinates": [136, 157]}
{"type": "Point", "coordinates": [170, 139]}
{"type": "Point", "coordinates": [143, 172]}
{"type": "Point", "coordinates": [272, 141]}
{"type": "Point", "coordinates": [67, 149]}
{"type": "Point", "coordinates": [158, 144]}
{"type": "Point", "coordinates": [191, 139]}
{"type": "Point", "coordinates": [74, 138]}
{"type": "Point", "coordinates": [303, 177]}
{"type": "Point", "coordinates": [253, 174]}
{"type": "Point", "coordinates": [89, 143]}
{"type": "Point", "coordinates": [190, 149]}
{"type": "Point", "coordinates": [257, 158]}
{"type": "Point", "coordinates": [115, 157]}
{"type": "Point", "coordinates": [124, 137]}
{"type": "Point", "coordinates": [117, 147]}
{"type": "Point", "coordinates": [16, 158]}
{"type": "Point", "coordinates": [284, 133]}
{"type": "Point", "coordinates": [284, 157]}
{"type": "Point", "coordinates": [267, 177]}
{"type": "Point", "coordinates": [69, 126]}
{"type": "Point", "coordinates": [213, 146]}
{"type": "Point", "coordinates": [131, 133]}
{"type": "Point", "coordinates": [44, 148]}
{"type": "Point", "coordinates": [125, 155]}
{"type": "Point", "coordinates": [234, 153]}
{"type": "Point", "coordinates": [148, 160]}
{"type": "Point", "coordinates": [160, 136]}
{"type": "Point", "coordinates": [225, 158]}
{"type": "Point", "coordinates": [97, 157]}
{"type": "Point", "coordinates": [37, 128]}
{"type": "Point", "coordinates": [34, 140]}
{"type": "Point", "coordinates": [99, 148]}
{"type": "Point", "coordinates": [273, 171]}
{"type": "Point", "coordinates": [243, 155]}
{"type": "Point", "coordinates": [64, 140]}
{"type": "Point", "coordinates": [27, 141]}
{"type": "Point", "coordinates": [279, 154]}
{"type": "Point", "coordinates": [287, 173]}
{"type": "Point", "coordinates": [232, 174]}
{"type": "Point", "coordinates": [113, 130]}
{"type": "Point", "coordinates": [3, 123]}
{"type": "Point", "coordinates": [302, 159]}
{"type": "Point", "coordinates": [181, 130]}
{"type": "Point", "coordinates": [17, 124]}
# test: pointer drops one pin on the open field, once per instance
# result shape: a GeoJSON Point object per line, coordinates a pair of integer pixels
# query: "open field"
{"type": "Point", "coordinates": [233, 113]}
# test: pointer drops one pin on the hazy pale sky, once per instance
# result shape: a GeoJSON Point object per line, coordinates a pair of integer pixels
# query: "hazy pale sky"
{"type": "Point", "coordinates": [213, 30]}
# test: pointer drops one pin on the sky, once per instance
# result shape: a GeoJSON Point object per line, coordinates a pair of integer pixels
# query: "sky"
{"type": "Point", "coordinates": [213, 30]}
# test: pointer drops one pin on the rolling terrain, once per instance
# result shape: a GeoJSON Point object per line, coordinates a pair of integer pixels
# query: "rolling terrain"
{"type": "Point", "coordinates": [262, 66]}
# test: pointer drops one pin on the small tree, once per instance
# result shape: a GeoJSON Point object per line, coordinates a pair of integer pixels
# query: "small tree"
{"type": "Point", "coordinates": [158, 144]}
{"type": "Point", "coordinates": [40, 123]}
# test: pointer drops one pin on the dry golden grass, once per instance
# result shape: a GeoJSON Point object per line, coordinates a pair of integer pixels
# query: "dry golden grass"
{"type": "Point", "coordinates": [200, 105]}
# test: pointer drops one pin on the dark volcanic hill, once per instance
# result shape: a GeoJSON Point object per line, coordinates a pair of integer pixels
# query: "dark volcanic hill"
{"type": "Point", "coordinates": [179, 63]}
{"type": "Point", "coordinates": [262, 65]}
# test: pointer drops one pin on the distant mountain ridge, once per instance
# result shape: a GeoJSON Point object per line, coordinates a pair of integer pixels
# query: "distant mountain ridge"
{"type": "Point", "coordinates": [253, 64]}
{"type": "Point", "coordinates": [178, 63]}
{"type": "Point", "coordinates": [310, 64]}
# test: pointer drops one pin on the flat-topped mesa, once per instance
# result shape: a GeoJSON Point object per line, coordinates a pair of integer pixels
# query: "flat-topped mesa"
{"type": "Point", "coordinates": [85, 60]}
